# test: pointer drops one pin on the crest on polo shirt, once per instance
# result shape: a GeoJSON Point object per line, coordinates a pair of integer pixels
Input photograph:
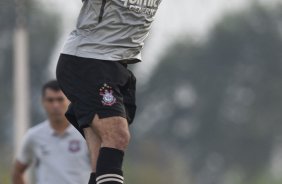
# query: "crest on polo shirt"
{"type": "Point", "coordinates": [74, 146]}
{"type": "Point", "coordinates": [108, 98]}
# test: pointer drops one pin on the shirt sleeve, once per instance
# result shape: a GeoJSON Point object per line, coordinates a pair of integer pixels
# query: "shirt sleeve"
{"type": "Point", "coordinates": [25, 152]}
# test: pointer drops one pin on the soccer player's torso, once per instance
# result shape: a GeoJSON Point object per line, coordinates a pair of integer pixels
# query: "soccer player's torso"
{"type": "Point", "coordinates": [120, 13]}
{"type": "Point", "coordinates": [114, 27]}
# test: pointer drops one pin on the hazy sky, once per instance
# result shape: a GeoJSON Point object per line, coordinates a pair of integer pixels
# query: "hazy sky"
{"type": "Point", "coordinates": [174, 19]}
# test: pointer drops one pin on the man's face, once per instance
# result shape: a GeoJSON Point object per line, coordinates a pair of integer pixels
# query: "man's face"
{"type": "Point", "coordinates": [55, 104]}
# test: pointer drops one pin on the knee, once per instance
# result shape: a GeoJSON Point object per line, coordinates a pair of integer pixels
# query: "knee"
{"type": "Point", "coordinates": [121, 140]}
{"type": "Point", "coordinates": [116, 137]}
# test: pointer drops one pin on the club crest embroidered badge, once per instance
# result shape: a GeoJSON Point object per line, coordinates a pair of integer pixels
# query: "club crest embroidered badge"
{"type": "Point", "coordinates": [74, 146]}
{"type": "Point", "coordinates": [108, 98]}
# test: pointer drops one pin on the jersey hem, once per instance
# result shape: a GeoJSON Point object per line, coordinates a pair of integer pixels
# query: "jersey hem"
{"type": "Point", "coordinates": [90, 55]}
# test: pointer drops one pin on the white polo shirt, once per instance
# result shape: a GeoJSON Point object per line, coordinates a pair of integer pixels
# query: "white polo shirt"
{"type": "Point", "coordinates": [59, 159]}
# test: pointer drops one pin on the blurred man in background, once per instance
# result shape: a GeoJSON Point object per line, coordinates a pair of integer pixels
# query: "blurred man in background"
{"type": "Point", "coordinates": [59, 151]}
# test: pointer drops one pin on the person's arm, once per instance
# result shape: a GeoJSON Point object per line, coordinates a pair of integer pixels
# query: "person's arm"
{"type": "Point", "coordinates": [23, 160]}
{"type": "Point", "coordinates": [18, 172]}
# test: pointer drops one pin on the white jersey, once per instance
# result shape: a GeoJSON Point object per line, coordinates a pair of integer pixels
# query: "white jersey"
{"type": "Point", "coordinates": [60, 159]}
{"type": "Point", "coordinates": [112, 30]}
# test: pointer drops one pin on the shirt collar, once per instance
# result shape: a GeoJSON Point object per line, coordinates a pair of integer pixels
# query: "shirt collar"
{"type": "Point", "coordinates": [52, 132]}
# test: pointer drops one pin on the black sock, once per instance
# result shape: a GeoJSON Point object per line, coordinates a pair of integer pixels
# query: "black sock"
{"type": "Point", "coordinates": [92, 179]}
{"type": "Point", "coordinates": [109, 166]}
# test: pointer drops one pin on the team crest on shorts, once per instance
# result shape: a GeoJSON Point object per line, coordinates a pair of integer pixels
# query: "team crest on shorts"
{"type": "Point", "coordinates": [74, 146]}
{"type": "Point", "coordinates": [108, 98]}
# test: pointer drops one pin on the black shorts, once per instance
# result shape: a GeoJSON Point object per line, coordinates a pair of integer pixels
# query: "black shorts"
{"type": "Point", "coordinates": [105, 88]}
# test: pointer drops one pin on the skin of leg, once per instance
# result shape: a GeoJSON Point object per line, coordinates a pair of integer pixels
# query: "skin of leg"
{"type": "Point", "coordinates": [113, 131]}
{"type": "Point", "coordinates": [94, 145]}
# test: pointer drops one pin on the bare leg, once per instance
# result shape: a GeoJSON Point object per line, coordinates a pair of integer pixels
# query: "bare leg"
{"type": "Point", "coordinates": [94, 145]}
{"type": "Point", "coordinates": [114, 136]}
{"type": "Point", "coordinates": [113, 131]}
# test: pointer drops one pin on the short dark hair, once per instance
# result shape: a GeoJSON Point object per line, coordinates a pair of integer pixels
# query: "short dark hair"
{"type": "Point", "coordinates": [53, 85]}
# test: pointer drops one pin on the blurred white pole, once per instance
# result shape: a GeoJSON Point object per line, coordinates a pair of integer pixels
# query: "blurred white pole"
{"type": "Point", "coordinates": [21, 75]}
{"type": "Point", "coordinates": [21, 78]}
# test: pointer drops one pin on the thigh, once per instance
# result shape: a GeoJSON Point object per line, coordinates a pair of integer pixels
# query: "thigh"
{"type": "Point", "coordinates": [93, 87]}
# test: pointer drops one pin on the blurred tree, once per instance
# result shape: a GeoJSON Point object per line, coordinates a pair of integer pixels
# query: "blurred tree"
{"type": "Point", "coordinates": [218, 102]}
{"type": "Point", "coordinates": [43, 32]}
{"type": "Point", "coordinates": [6, 27]}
